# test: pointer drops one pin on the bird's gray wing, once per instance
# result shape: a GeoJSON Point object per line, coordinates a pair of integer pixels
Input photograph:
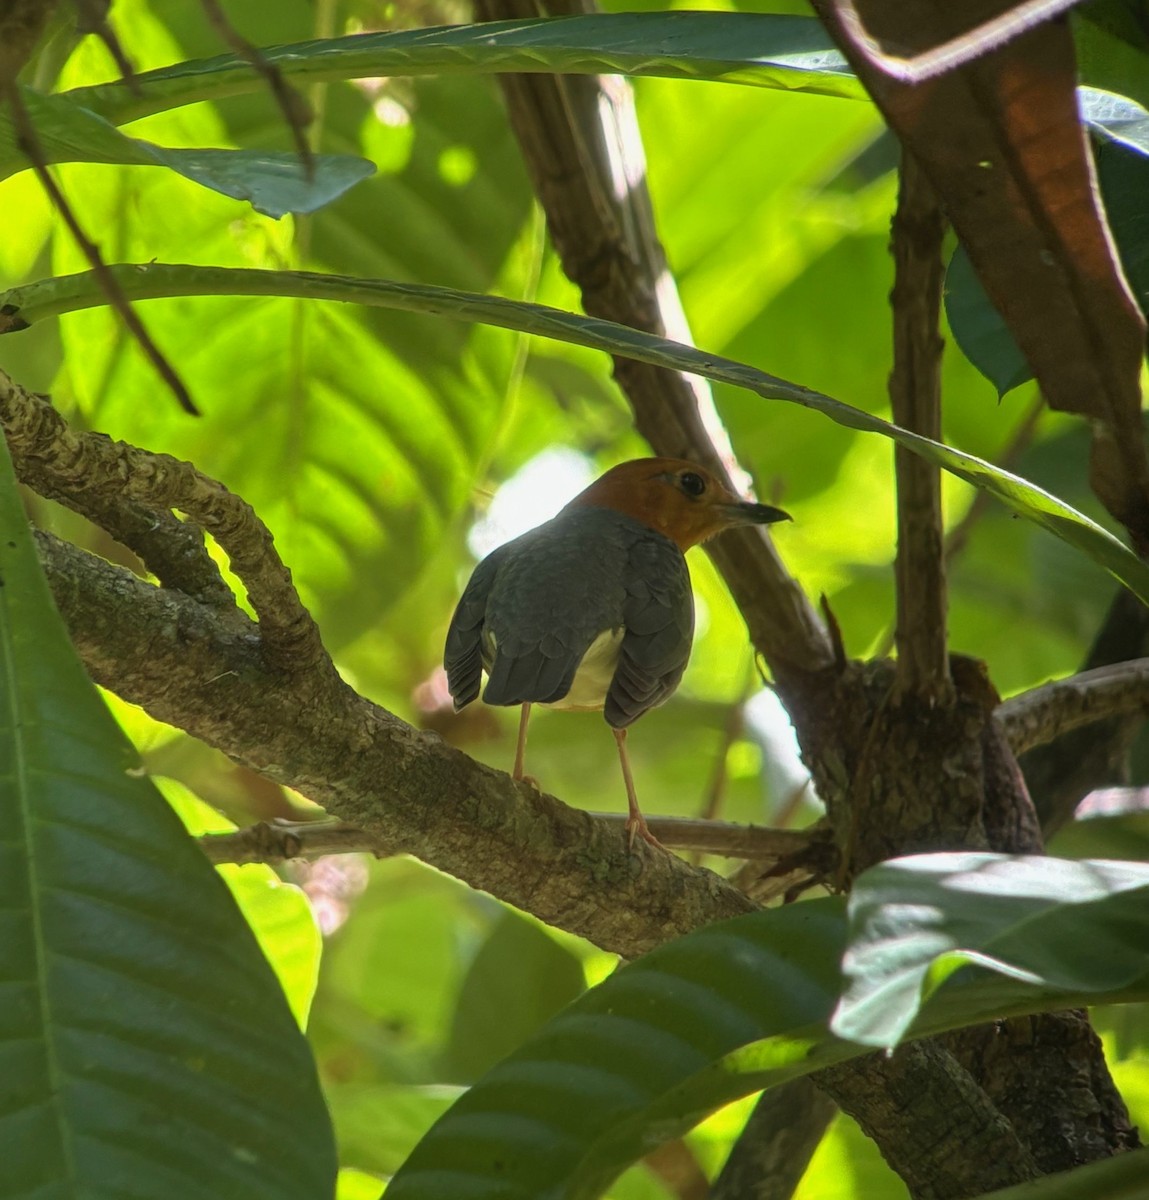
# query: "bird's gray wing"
{"type": "Point", "coordinates": [659, 620]}
{"type": "Point", "coordinates": [463, 652]}
{"type": "Point", "coordinates": [536, 672]}
{"type": "Point", "coordinates": [563, 587]}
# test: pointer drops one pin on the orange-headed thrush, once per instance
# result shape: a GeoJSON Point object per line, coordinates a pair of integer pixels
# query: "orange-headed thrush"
{"type": "Point", "coordinates": [593, 608]}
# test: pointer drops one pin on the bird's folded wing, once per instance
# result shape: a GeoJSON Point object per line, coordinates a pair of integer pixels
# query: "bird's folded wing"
{"type": "Point", "coordinates": [539, 671]}
{"type": "Point", "coordinates": [463, 653]}
{"type": "Point", "coordinates": [659, 621]}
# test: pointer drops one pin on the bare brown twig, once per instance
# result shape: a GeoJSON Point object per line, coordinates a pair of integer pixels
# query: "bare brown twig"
{"type": "Point", "coordinates": [29, 144]}
{"type": "Point", "coordinates": [92, 17]}
{"type": "Point", "coordinates": [915, 393]}
{"type": "Point", "coordinates": [282, 841]}
{"type": "Point", "coordinates": [292, 105]}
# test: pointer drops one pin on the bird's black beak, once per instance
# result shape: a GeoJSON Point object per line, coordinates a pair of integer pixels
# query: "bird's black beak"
{"type": "Point", "coordinates": [756, 514]}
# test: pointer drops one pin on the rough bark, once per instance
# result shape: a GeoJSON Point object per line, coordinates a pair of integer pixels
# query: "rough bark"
{"type": "Point", "coordinates": [915, 395]}
{"type": "Point", "coordinates": [1063, 772]}
{"type": "Point", "coordinates": [934, 1125]}
{"type": "Point", "coordinates": [769, 1160]}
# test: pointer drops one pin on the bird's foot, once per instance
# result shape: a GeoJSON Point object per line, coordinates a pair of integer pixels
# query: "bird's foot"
{"type": "Point", "coordinates": [636, 827]}
{"type": "Point", "coordinates": [529, 779]}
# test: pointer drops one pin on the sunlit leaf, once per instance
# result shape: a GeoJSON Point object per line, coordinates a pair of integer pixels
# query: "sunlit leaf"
{"type": "Point", "coordinates": [787, 52]}
{"type": "Point", "coordinates": [275, 183]}
{"type": "Point", "coordinates": [735, 1007]}
{"type": "Point", "coordinates": [1073, 927]}
{"type": "Point", "coordinates": [52, 297]}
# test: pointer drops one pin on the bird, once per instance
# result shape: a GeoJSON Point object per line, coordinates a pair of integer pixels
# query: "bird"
{"type": "Point", "coordinates": [593, 609]}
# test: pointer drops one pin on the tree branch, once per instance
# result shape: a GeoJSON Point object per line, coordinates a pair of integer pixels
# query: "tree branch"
{"type": "Point", "coordinates": [106, 472]}
{"type": "Point", "coordinates": [928, 1115]}
{"type": "Point", "coordinates": [770, 1158]}
{"type": "Point", "coordinates": [281, 840]}
{"type": "Point", "coordinates": [407, 788]}
{"type": "Point", "coordinates": [1063, 772]}
{"type": "Point", "coordinates": [1046, 713]}
{"type": "Point", "coordinates": [915, 394]}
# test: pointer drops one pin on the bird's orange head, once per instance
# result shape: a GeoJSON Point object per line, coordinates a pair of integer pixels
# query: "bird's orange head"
{"type": "Point", "coordinates": [677, 498]}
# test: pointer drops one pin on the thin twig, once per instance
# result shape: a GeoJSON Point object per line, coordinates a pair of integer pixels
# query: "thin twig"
{"type": "Point", "coordinates": [915, 394]}
{"type": "Point", "coordinates": [292, 105]}
{"type": "Point", "coordinates": [281, 840]}
{"type": "Point", "coordinates": [959, 535]}
{"type": "Point", "coordinates": [92, 17]}
{"type": "Point", "coordinates": [29, 144]}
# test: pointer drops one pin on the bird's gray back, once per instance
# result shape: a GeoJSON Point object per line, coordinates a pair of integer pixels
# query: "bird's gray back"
{"type": "Point", "coordinates": [534, 606]}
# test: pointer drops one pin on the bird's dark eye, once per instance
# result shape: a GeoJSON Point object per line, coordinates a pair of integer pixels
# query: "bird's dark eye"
{"type": "Point", "coordinates": [692, 483]}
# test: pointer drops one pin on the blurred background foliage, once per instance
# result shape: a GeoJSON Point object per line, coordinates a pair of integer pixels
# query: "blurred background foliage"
{"type": "Point", "coordinates": [377, 445]}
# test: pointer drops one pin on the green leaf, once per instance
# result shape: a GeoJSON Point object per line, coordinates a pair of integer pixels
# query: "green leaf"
{"type": "Point", "coordinates": [275, 183]}
{"type": "Point", "coordinates": [147, 1048]}
{"type": "Point", "coordinates": [379, 1124]}
{"type": "Point", "coordinates": [727, 1010]}
{"type": "Point", "coordinates": [277, 912]}
{"type": "Point", "coordinates": [1076, 927]}
{"type": "Point", "coordinates": [51, 297]}
{"type": "Point", "coordinates": [792, 53]}
{"type": "Point", "coordinates": [979, 329]}
{"type": "Point", "coordinates": [1119, 1178]}
{"type": "Point", "coordinates": [517, 981]}
{"type": "Point", "coordinates": [688, 1027]}
{"type": "Point", "coordinates": [358, 1185]}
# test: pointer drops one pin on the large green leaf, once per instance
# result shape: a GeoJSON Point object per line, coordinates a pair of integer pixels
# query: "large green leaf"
{"type": "Point", "coordinates": [915, 921]}
{"type": "Point", "coordinates": [275, 183]}
{"type": "Point", "coordinates": [723, 1012]}
{"type": "Point", "coordinates": [146, 1046]}
{"type": "Point", "coordinates": [52, 297]}
{"type": "Point", "coordinates": [519, 978]}
{"type": "Point", "coordinates": [792, 53]}
{"type": "Point", "coordinates": [1119, 1178]}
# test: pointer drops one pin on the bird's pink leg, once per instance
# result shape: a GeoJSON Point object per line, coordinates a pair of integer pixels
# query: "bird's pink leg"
{"type": "Point", "coordinates": [521, 748]}
{"type": "Point", "coordinates": [635, 822]}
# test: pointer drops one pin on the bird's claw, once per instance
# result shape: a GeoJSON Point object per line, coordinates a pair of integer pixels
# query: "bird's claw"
{"type": "Point", "coordinates": [636, 827]}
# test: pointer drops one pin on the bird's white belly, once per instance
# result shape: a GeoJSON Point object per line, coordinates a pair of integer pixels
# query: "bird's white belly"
{"type": "Point", "coordinates": [592, 679]}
